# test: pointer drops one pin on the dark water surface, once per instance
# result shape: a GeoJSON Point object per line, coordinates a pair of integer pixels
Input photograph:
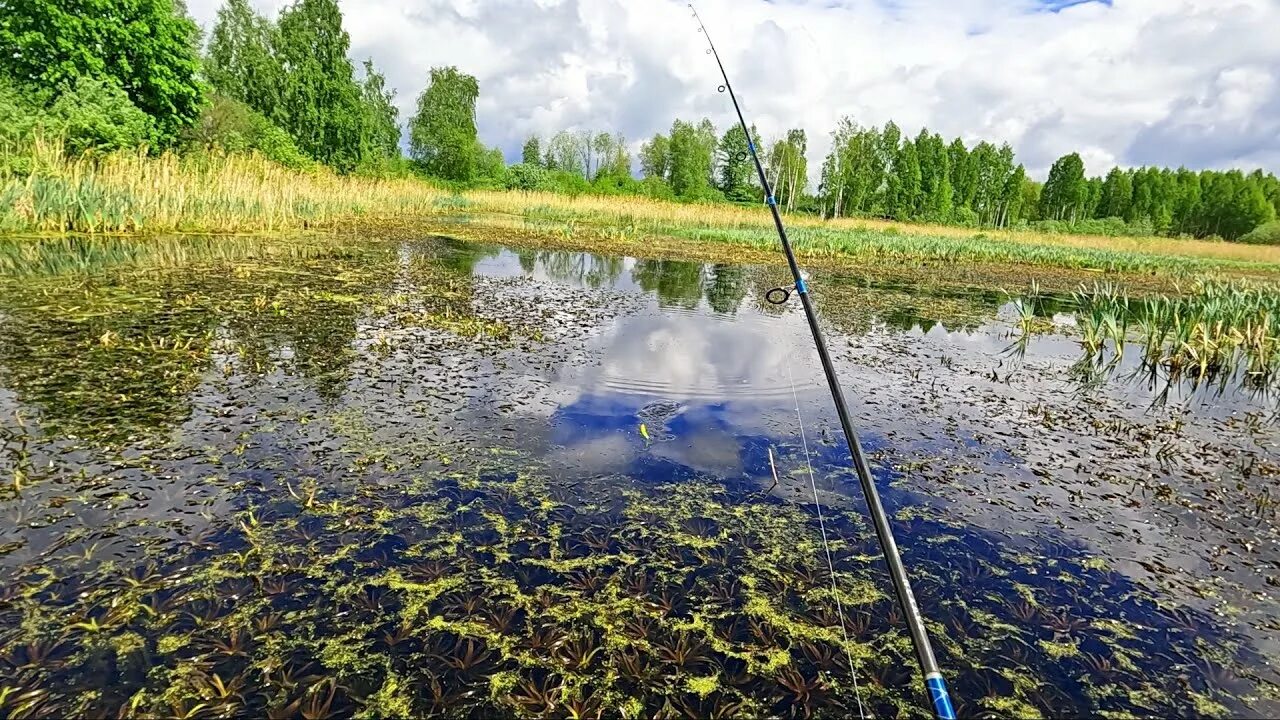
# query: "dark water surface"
{"type": "Point", "coordinates": [410, 478]}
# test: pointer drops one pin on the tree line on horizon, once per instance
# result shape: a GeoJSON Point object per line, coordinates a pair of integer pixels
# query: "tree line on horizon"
{"type": "Point", "coordinates": [111, 74]}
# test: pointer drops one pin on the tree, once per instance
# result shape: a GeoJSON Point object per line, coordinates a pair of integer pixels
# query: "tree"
{"type": "Point", "coordinates": [964, 176]}
{"type": "Point", "coordinates": [443, 135]}
{"type": "Point", "coordinates": [692, 156]}
{"type": "Point", "coordinates": [935, 181]}
{"type": "Point", "coordinates": [1065, 192]}
{"type": "Point", "coordinates": [241, 62]}
{"type": "Point", "coordinates": [908, 182]}
{"type": "Point", "coordinates": [735, 166]}
{"type": "Point", "coordinates": [1013, 197]}
{"type": "Point", "coordinates": [380, 126]}
{"type": "Point", "coordinates": [655, 157]}
{"type": "Point", "coordinates": [143, 47]}
{"type": "Point", "coordinates": [565, 152]}
{"type": "Point", "coordinates": [789, 168]}
{"type": "Point", "coordinates": [1117, 195]}
{"type": "Point", "coordinates": [613, 162]}
{"type": "Point", "coordinates": [321, 104]}
{"type": "Point", "coordinates": [235, 127]}
{"type": "Point", "coordinates": [490, 165]}
{"type": "Point", "coordinates": [531, 153]}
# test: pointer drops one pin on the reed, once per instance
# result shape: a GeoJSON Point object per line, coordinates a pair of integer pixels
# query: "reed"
{"type": "Point", "coordinates": [133, 192]}
{"type": "Point", "coordinates": [1215, 328]}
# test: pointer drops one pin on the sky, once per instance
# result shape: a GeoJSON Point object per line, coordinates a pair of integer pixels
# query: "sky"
{"type": "Point", "coordinates": [1122, 82]}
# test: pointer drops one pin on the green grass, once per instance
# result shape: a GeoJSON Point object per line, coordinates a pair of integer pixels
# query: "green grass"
{"type": "Point", "coordinates": [1213, 330]}
{"type": "Point", "coordinates": [133, 193]}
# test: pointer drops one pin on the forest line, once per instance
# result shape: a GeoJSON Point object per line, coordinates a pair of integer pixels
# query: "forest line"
{"type": "Point", "coordinates": [286, 87]}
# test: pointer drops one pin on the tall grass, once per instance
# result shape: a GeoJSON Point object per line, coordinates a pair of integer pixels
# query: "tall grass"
{"type": "Point", "coordinates": [1215, 329]}
{"type": "Point", "coordinates": [133, 192]}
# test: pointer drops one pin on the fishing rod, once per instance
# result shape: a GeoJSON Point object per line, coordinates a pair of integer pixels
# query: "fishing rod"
{"type": "Point", "coordinates": [935, 684]}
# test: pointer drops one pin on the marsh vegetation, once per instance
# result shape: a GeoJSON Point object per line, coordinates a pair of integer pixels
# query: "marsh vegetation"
{"type": "Point", "coordinates": [305, 478]}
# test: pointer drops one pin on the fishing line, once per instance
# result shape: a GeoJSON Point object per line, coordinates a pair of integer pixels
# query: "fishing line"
{"type": "Point", "coordinates": [826, 546]}
{"type": "Point", "coordinates": [935, 684]}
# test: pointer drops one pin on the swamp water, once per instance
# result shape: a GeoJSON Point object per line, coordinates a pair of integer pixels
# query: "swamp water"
{"type": "Point", "coordinates": [399, 478]}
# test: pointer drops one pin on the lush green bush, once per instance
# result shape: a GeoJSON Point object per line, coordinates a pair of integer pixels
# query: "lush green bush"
{"type": "Point", "coordinates": [232, 126]}
{"type": "Point", "coordinates": [615, 184]}
{"type": "Point", "coordinates": [17, 116]}
{"type": "Point", "coordinates": [964, 217]}
{"type": "Point", "coordinates": [373, 165]}
{"type": "Point", "coordinates": [98, 116]}
{"type": "Point", "coordinates": [142, 49]}
{"type": "Point", "coordinates": [568, 183]}
{"type": "Point", "coordinates": [93, 116]}
{"type": "Point", "coordinates": [656, 188]}
{"type": "Point", "coordinates": [526, 177]}
{"type": "Point", "coordinates": [1268, 234]}
{"type": "Point", "coordinates": [1107, 227]}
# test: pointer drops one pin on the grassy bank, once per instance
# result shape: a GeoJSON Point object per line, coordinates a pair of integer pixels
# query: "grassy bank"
{"type": "Point", "coordinates": [136, 193]}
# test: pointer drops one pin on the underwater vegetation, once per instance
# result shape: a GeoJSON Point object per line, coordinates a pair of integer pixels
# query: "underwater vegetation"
{"type": "Point", "coordinates": [496, 591]}
{"type": "Point", "coordinates": [269, 480]}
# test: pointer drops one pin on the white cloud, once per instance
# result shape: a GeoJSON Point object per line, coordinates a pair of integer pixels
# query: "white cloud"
{"type": "Point", "coordinates": [1168, 82]}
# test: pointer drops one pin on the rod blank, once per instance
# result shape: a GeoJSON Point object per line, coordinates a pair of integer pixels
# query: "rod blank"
{"type": "Point", "coordinates": [934, 683]}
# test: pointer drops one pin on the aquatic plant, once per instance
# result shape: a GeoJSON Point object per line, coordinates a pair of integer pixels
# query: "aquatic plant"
{"type": "Point", "coordinates": [1214, 330]}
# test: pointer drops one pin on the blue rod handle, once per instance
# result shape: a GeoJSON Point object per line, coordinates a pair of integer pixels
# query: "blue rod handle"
{"type": "Point", "coordinates": [940, 697]}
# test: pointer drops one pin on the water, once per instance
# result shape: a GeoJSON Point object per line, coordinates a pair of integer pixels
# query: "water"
{"type": "Point", "coordinates": [409, 477]}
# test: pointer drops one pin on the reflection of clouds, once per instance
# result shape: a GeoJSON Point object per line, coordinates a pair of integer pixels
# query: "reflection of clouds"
{"type": "Point", "coordinates": [726, 375]}
{"type": "Point", "coordinates": [675, 356]}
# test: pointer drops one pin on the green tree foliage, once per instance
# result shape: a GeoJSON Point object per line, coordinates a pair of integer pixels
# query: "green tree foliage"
{"type": "Point", "coordinates": [655, 158]}
{"type": "Point", "coordinates": [692, 158]}
{"type": "Point", "coordinates": [907, 183]}
{"type": "Point", "coordinates": [613, 161]}
{"type": "Point", "coordinates": [490, 166]}
{"type": "Point", "coordinates": [1117, 194]}
{"type": "Point", "coordinates": [935, 182]}
{"type": "Point", "coordinates": [527, 177]}
{"type": "Point", "coordinates": [569, 152]}
{"type": "Point", "coordinates": [443, 135]}
{"type": "Point", "coordinates": [1065, 192]}
{"type": "Point", "coordinates": [233, 126]}
{"type": "Point", "coordinates": [92, 116]}
{"type": "Point", "coordinates": [380, 124]}
{"type": "Point", "coordinates": [296, 74]}
{"type": "Point", "coordinates": [241, 63]}
{"type": "Point", "coordinates": [531, 153]}
{"type": "Point", "coordinates": [141, 46]}
{"type": "Point", "coordinates": [321, 100]}
{"type": "Point", "coordinates": [736, 170]}
{"type": "Point", "coordinates": [96, 115]}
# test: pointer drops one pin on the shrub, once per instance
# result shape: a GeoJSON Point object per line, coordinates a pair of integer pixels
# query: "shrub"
{"type": "Point", "coordinates": [97, 115]}
{"type": "Point", "coordinates": [18, 117]}
{"type": "Point", "coordinates": [569, 183]}
{"type": "Point", "coordinates": [232, 126]}
{"type": "Point", "coordinates": [656, 188]}
{"type": "Point", "coordinates": [94, 115]}
{"type": "Point", "coordinates": [964, 217]}
{"type": "Point", "coordinates": [523, 176]}
{"type": "Point", "coordinates": [1268, 234]}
